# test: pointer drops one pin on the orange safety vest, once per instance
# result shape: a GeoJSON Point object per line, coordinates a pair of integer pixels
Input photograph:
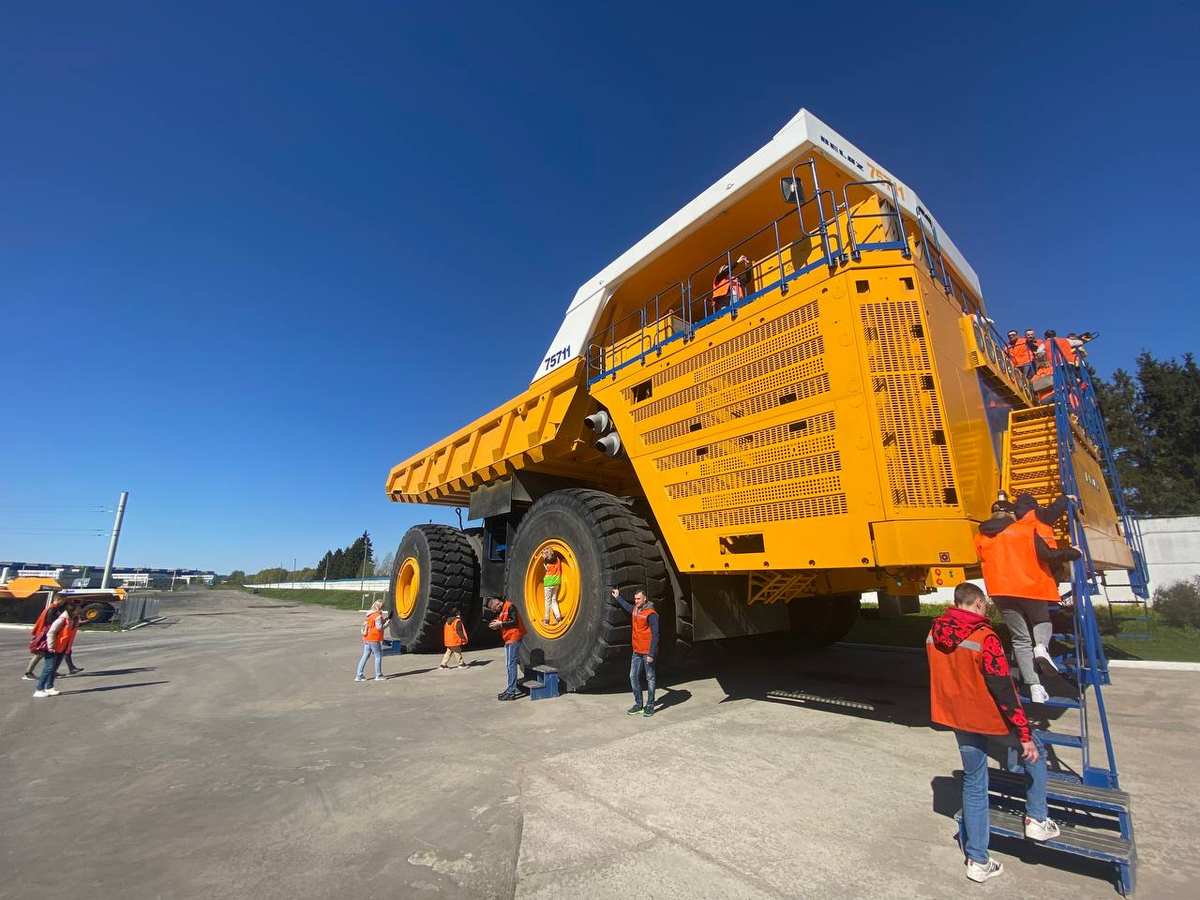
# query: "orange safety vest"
{"type": "Point", "coordinates": [1019, 353]}
{"type": "Point", "coordinates": [373, 631]}
{"type": "Point", "coordinates": [641, 634]}
{"type": "Point", "coordinates": [511, 633]}
{"type": "Point", "coordinates": [454, 634]}
{"type": "Point", "coordinates": [72, 629]}
{"type": "Point", "coordinates": [1010, 564]}
{"type": "Point", "coordinates": [958, 695]}
{"type": "Point", "coordinates": [1064, 348]}
{"type": "Point", "coordinates": [62, 639]}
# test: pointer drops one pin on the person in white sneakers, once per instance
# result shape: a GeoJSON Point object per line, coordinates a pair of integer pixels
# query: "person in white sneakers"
{"type": "Point", "coordinates": [971, 690]}
{"type": "Point", "coordinates": [372, 634]}
{"type": "Point", "coordinates": [58, 637]}
{"type": "Point", "coordinates": [1019, 553]}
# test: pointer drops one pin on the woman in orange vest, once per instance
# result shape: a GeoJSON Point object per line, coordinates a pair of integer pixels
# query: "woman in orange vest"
{"type": "Point", "coordinates": [1017, 549]}
{"type": "Point", "coordinates": [454, 633]}
{"type": "Point", "coordinates": [644, 638]}
{"type": "Point", "coordinates": [372, 634]}
{"type": "Point", "coordinates": [971, 691]}
{"type": "Point", "coordinates": [508, 622]}
{"type": "Point", "coordinates": [57, 636]}
{"type": "Point", "coordinates": [728, 290]}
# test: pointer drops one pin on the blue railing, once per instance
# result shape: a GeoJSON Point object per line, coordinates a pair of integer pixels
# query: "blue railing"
{"type": "Point", "coordinates": [693, 302]}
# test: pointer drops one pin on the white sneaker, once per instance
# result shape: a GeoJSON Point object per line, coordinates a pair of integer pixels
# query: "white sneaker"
{"type": "Point", "coordinates": [51, 692]}
{"type": "Point", "coordinates": [40, 694]}
{"type": "Point", "coordinates": [1041, 831]}
{"type": "Point", "coordinates": [983, 871]}
{"type": "Point", "coordinates": [380, 678]}
{"type": "Point", "coordinates": [1038, 694]}
{"type": "Point", "coordinates": [1040, 652]}
{"type": "Point", "coordinates": [359, 678]}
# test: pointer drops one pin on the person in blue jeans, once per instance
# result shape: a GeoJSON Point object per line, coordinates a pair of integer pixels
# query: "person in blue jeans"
{"type": "Point", "coordinates": [372, 630]}
{"type": "Point", "coordinates": [971, 690]}
{"type": "Point", "coordinates": [512, 629]}
{"type": "Point", "coordinates": [643, 636]}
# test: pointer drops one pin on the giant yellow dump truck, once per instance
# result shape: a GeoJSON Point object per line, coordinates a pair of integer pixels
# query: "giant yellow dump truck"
{"type": "Point", "coordinates": [785, 395]}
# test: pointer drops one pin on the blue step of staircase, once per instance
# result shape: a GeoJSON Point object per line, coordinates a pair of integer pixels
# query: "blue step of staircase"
{"type": "Point", "coordinates": [545, 683]}
{"type": "Point", "coordinates": [1055, 702]}
{"type": "Point", "coordinates": [1059, 739]}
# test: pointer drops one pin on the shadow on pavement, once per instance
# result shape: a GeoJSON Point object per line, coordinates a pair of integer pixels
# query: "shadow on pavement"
{"type": "Point", "coordinates": [113, 687]}
{"type": "Point", "coordinates": [406, 674]}
{"type": "Point", "coordinates": [99, 673]}
{"type": "Point", "coordinates": [668, 697]}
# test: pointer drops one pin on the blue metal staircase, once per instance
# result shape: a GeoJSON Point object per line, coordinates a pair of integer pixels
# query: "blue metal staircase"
{"type": "Point", "coordinates": [1086, 800]}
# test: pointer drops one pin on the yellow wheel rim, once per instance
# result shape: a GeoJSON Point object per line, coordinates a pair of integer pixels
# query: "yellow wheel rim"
{"type": "Point", "coordinates": [91, 615]}
{"type": "Point", "coordinates": [408, 586]}
{"type": "Point", "coordinates": [568, 591]}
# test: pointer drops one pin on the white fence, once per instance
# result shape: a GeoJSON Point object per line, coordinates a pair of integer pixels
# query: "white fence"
{"type": "Point", "coordinates": [366, 585]}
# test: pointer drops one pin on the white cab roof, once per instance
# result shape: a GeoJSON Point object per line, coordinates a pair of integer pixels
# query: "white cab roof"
{"type": "Point", "coordinates": [803, 131]}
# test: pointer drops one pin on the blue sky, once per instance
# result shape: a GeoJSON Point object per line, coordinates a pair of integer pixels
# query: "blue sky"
{"type": "Point", "coordinates": [252, 255]}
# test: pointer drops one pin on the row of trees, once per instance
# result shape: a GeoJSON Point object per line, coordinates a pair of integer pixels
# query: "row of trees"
{"type": "Point", "coordinates": [355, 561]}
{"type": "Point", "coordinates": [1153, 421]}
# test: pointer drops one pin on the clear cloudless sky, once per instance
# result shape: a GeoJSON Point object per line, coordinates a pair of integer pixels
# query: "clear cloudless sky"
{"type": "Point", "coordinates": [254, 254]}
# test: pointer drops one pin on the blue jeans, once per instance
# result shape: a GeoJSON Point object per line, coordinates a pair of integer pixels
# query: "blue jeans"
{"type": "Point", "coordinates": [371, 648]}
{"type": "Point", "coordinates": [637, 665]}
{"type": "Point", "coordinates": [975, 827]}
{"type": "Point", "coordinates": [49, 668]}
{"type": "Point", "coordinates": [511, 653]}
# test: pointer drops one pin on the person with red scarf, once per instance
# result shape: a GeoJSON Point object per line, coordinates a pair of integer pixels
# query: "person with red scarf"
{"type": "Point", "coordinates": [972, 691]}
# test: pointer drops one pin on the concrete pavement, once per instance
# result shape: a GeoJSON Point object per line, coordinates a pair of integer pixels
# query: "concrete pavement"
{"type": "Point", "coordinates": [229, 754]}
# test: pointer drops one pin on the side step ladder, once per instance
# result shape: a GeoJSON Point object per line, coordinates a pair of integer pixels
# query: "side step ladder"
{"type": "Point", "coordinates": [1094, 813]}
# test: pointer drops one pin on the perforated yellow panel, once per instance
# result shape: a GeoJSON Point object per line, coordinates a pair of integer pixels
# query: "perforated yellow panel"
{"type": "Point", "coordinates": [773, 512]}
{"type": "Point", "coordinates": [912, 433]}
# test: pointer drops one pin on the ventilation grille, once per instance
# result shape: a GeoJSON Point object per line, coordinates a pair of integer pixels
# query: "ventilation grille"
{"type": "Point", "coordinates": [729, 354]}
{"type": "Point", "coordinates": [780, 472]}
{"type": "Point", "coordinates": [911, 428]}
{"type": "Point", "coordinates": [796, 434]}
{"type": "Point", "coordinates": [804, 508]}
{"type": "Point", "coordinates": [759, 403]}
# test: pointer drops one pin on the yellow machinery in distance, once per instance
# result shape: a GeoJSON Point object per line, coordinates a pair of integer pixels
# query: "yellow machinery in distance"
{"type": "Point", "coordinates": [756, 451]}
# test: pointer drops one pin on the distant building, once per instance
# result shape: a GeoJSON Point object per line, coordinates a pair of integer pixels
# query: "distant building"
{"type": "Point", "coordinates": [90, 576]}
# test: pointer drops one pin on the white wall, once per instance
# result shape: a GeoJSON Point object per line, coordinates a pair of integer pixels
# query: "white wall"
{"type": "Point", "coordinates": [367, 585]}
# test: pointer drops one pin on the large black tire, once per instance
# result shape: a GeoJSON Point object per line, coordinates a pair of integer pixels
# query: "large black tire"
{"type": "Point", "coordinates": [613, 547]}
{"type": "Point", "coordinates": [97, 613]}
{"type": "Point", "coordinates": [449, 578]}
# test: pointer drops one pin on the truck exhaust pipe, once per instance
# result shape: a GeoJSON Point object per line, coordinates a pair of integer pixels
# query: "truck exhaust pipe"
{"type": "Point", "coordinates": [610, 444]}
{"type": "Point", "coordinates": [599, 421]}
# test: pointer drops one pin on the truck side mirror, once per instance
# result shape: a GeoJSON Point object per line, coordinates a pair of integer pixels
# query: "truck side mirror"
{"type": "Point", "coordinates": [790, 188]}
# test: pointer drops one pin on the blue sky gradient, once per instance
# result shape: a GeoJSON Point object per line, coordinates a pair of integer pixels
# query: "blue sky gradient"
{"type": "Point", "coordinates": [252, 255]}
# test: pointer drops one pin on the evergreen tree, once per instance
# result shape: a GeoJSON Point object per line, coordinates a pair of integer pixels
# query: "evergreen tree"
{"type": "Point", "coordinates": [1153, 424]}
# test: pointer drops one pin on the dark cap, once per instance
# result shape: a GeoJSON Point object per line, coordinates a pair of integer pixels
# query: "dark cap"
{"type": "Point", "coordinates": [1002, 506]}
{"type": "Point", "coordinates": [1025, 503]}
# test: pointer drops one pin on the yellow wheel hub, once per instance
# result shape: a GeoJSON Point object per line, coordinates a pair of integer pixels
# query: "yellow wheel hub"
{"type": "Point", "coordinates": [568, 591]}
{"type": "Point", "coordinates": [408, 587]}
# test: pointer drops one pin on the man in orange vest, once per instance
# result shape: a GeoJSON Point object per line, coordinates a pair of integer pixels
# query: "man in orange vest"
{"type": "Point", "coordinates": [44, 619]}
{"type": "Point", "coordinates": [508, 621]}
{"type": "Point", "coordinates": [971, 691]}
{"type": "Point", "coordinates": [1017, 550]}
{"type": "Point", "coordinates": [644, 637]}
{"type": "Point", "coordinates": [454, 635]}
{"type": "Point", "coordinates": [728, 290]}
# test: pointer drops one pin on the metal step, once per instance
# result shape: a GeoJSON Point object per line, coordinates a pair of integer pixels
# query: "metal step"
{"type": "Point", "coordinates": [1067, 793]}
{"type": "Point", "coordinates": [1055, 702]}
{"type": "Point", "coordinates": [1092, 844]}
{"type": "Point", "coordinates": [1059, 739]}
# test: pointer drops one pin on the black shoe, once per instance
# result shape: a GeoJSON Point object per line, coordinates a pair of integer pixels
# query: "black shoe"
{"type": "Point", "coordinates": [635, 711]}
{"type": "Point", "coordinates": [507, 696]}
{"type": "Point", "coordinates": [77, 670]}
{"type": "Point", "coordinates": [649, 712]}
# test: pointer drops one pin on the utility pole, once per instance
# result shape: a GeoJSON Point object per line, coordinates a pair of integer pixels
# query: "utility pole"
{"type": "Point", "coordinates": [112, 544]}
{"type": "Point", "coordinates": [325, 580]}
